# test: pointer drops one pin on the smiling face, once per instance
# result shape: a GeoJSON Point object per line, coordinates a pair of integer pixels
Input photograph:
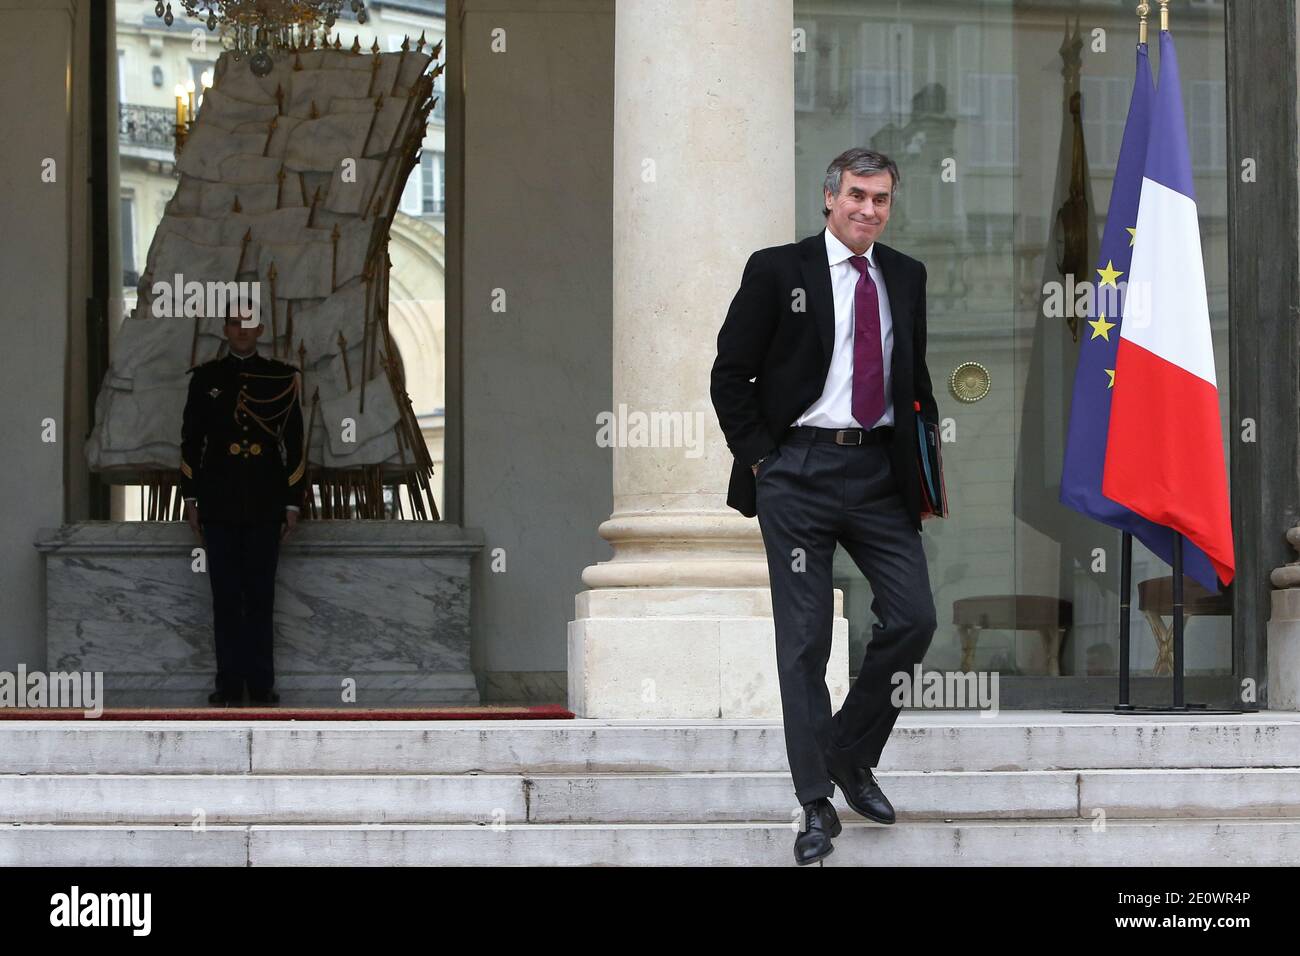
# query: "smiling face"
{"type": "Point", "coordinates": [859, 213]}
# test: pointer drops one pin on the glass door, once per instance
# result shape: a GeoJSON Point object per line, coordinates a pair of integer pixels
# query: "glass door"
{"type": "Point", "coordinates": [1003, 184]}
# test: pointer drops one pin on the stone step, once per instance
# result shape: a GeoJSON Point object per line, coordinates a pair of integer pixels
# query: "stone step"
{"type": "Point", "coordinates": [663, 798]}
{"type": "Point", "coordinates": [926, 740]}
{"type": "Point", "coordinates": [1157, 842]}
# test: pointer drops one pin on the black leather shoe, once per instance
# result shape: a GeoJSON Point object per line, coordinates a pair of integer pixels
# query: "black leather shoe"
{"type": "Point", "coordinates": [263, 697]}
{"type": "Point", "coordinates": [820, 823]}
{"type": "Point", "coordinates": [223, 698]}
{"type": "Point", "coordinates": [861, 791]}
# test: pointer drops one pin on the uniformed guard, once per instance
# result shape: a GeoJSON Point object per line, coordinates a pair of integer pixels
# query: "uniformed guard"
{"type": "Point", "coordinates": [243, 476]}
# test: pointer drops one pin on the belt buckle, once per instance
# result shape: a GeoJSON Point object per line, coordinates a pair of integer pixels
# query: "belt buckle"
{"type": "Point", "coordinates": [839, 437]}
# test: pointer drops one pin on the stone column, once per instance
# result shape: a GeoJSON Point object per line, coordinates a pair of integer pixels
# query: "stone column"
{"type": "Point", "coordinates": [1284, 634]}
{"type": "Point", "coordinates": [678, 623]}
{"type": "Point", "coordinates": [43, 274]}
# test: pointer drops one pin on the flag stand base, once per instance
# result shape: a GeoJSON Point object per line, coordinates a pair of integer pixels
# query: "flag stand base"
{"type": "Point", "coordinates": [1132, 710]}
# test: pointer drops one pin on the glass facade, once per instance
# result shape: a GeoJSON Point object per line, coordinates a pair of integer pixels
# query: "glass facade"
{"type": "Point", "coordinates": [152, 58]}
{"type": "Point", "coordinates": [972, 100]}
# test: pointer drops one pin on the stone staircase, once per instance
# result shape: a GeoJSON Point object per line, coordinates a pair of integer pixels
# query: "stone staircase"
{"type": "Point", "coordinates": [1021, 788]}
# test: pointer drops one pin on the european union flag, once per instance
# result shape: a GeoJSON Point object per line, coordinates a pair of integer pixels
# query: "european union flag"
{"type": "Point", "coordinates": [1085, 449]}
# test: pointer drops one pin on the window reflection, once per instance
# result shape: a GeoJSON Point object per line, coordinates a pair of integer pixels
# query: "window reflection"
{"type": "Point", "coordinates": [971, 99]}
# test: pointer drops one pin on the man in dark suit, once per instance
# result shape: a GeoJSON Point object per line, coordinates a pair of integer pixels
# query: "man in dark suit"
{"type": "Point", "coordinates": [243, 473]}
{"type": "Point", "coordinates": [820, 370]}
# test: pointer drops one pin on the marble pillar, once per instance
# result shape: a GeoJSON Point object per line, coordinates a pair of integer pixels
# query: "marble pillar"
{"type": "Point", "coordinates": [678, 623]}
{"type": "Point", "coordinates": [1283, 653]}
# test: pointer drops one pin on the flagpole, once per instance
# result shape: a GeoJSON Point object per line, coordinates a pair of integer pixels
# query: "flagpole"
{"type": "Point", "coordinates": [1125, 602]}
{"type": "Point", "coordinates": [1126, 540]}
{"type": "Point", "coordinates": [1178, 622]}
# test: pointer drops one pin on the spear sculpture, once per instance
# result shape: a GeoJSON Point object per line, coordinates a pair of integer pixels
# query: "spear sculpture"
{"type": "Point", "coordinates": [366, 336]}
{"type": "Point", "coordinates": [315, 201]}
{"type": "Point", "coordinates": [397, 73]}
{"type": "Point", "coordinates": [288, 330]}
{"type": "Point", "coordinates": [374, 68]}
{"type": "Point", "coordinates": [343, 351]}
{"type": "Point", "coordinates": [374, 116]}
{"type": "Point", "coordinates": [397, 433]}
{"type": "Point", "coordinates": [334, 257]}
{"type": "Point", "coordinates": [243, 249]}
{"type": "Point", "coordinates": [270, 274]}
{"type": "Point", "coordinates": [311, 432]}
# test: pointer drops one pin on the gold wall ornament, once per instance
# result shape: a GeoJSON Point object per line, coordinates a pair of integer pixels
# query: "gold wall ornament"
{"type": "Point", "coordinates": [969, 382]}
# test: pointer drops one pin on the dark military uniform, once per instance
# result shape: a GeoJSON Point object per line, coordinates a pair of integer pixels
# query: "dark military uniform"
{"type": "Point", "coordinates": [244, 462]}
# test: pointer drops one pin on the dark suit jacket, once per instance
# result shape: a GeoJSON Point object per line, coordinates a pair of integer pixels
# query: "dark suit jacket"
{"type": "Point", "coordinates": [772, 360]}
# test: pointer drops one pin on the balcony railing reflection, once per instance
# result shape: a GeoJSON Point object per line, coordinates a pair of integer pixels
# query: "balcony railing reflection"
{"type": "Point", "coordinates": [140, 125]}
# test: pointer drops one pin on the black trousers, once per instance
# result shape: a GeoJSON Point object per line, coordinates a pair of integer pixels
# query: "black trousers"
{"type": "Point", "coordinates": [241, 567]}
{"type": "Point", "coordinates": [811, 495]}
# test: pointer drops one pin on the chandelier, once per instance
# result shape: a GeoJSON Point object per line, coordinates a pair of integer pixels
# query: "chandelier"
{"type": "Point", "coordinates": [257, 29]}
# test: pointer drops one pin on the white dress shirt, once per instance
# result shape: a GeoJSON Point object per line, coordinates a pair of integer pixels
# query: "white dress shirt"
{"type": "Point", "coordinates": [834, 409]}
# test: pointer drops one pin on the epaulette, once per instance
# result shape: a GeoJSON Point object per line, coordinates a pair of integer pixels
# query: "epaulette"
{"type": "Point", "coordinates": [281, 368]}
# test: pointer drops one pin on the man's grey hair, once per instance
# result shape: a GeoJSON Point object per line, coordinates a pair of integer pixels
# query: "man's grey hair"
{"type": "Point", "coordinates": [862, 162]}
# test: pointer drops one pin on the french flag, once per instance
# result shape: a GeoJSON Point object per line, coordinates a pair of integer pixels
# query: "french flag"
{"type": "Point", "coordinates": [1164, 449]}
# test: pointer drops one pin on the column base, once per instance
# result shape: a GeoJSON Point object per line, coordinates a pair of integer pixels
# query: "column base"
{"type": "Point", "coordinates": [683, 653]}
{"type": "Point", "coordinates": [1284, 650]}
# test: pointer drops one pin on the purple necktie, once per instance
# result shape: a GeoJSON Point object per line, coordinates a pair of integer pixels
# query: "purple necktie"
{"type": "Point", "coordinates": [868, 360]}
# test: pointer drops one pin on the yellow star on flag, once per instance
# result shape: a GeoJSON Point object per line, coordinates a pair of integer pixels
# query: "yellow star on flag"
{"type": "Point", "coordinates": [1132, 233]}
{"type": "Point", "coordinates": [1109, 274]}
{"type": "Point", "coordinates": [1111, 373]}
{"type": "Point", "coordinates": [1101, 327]}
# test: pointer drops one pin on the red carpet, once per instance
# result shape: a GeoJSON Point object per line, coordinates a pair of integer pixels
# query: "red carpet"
{"type": "Point", "coordinates": [483, 712]}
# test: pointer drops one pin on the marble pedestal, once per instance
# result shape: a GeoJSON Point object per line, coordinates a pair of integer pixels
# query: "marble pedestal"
{"type": "Point", "coordinates": [684, 652]}
{"type": "Point", "coordinates": [1284, 650]}
{"type": "Point", "coordinates": [383, 604]}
